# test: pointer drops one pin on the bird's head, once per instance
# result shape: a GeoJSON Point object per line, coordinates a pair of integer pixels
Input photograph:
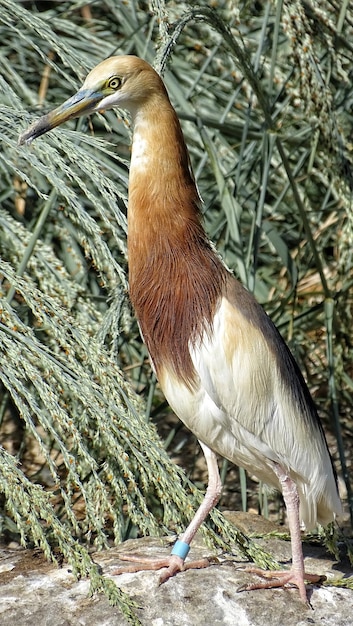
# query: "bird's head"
{"type": "Point", "coordinates": [122, 81]}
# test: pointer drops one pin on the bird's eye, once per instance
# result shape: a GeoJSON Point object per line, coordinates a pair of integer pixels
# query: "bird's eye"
{"type": "Point", "coordinates": [114, 83]}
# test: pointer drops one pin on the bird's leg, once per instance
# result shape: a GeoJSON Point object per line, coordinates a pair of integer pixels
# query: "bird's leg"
{"type": "Point", "coordinates": [296, 575]}
{"type": "Point", "coordinates": [175, 562]}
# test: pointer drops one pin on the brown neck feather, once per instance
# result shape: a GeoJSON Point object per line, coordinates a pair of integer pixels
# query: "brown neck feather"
{"type": "Point", "coordinates": [176, 279]}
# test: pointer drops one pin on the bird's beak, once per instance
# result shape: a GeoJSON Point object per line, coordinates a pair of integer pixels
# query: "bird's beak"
{"type": "Point", "coordinates": [84, 102]}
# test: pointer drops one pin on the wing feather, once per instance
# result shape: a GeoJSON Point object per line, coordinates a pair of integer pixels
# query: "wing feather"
{"type": "Point", "coordinates": [252, 406]}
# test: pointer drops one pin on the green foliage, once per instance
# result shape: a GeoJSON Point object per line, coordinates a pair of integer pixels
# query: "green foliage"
{"type": "Point", "coordinates": [264, 94]}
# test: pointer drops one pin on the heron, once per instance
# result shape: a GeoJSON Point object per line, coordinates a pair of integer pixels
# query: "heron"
{"type": "Point", "coordinates": [221, 363]}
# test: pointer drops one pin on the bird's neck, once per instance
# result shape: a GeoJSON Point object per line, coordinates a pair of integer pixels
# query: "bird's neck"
{"type": "Point", "coordinates": [162, 192]}
{"type": "Point", "coordinates": [175, 276]}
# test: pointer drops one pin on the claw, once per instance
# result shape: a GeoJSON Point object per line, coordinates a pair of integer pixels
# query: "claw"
{"type": "Point", "coordinates": [286, 578]}
{"type": "Point", "coordinates": [171, 564]}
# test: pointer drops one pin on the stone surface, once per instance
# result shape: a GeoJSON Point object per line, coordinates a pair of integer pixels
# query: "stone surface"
{"type": "Point", "coordinates": [34, 592]}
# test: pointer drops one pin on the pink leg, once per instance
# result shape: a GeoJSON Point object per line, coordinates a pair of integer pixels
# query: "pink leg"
{"type": "Point", "coordinates": [296, 575]}
{"type": "Point", "coordinates": [175, 562]}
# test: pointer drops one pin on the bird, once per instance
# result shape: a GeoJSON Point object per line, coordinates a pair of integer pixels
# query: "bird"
{"type": "Point", "coordinates": [221, 363]}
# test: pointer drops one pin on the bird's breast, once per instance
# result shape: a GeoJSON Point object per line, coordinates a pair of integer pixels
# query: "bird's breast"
{"type": "Point", "coordinates": [176, 284]}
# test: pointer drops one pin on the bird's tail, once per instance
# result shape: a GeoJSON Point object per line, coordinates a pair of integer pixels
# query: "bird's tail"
{"type": "Point", "coordinates": [319, 499]}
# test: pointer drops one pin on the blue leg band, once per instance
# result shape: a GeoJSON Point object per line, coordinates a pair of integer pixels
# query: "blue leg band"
{"type": "Point", "coordinates": [181, 549]}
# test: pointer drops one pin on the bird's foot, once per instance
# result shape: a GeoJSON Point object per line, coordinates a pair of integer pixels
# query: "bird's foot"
{"type": "Point", "coordinates": [171, 565]}
{"type": "Point", "coordinates": [285, 578]}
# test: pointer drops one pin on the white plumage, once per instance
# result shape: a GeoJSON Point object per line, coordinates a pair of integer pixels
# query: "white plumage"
{"type": "Point", "coordinates": [243, 409]}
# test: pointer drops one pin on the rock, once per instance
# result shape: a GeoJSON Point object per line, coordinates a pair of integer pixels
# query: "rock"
{"type": "Point", "coordinates": [33, 591]}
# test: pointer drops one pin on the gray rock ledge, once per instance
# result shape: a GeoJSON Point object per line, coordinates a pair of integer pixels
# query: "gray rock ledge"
{"type": "Point", "coordinates": [34, 592]}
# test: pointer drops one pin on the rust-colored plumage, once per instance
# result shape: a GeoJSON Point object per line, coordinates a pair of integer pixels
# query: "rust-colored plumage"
{"type": "Point", "coordinates": [221, 363]}
{"type": "Point", "coordinates": [175, 278]}
{"type": "Point", "coordinates": [172, 304]}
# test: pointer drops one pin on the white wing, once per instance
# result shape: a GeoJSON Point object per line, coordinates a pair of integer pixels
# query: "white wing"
{"type": "Point", "coordinates": [251, 407]}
